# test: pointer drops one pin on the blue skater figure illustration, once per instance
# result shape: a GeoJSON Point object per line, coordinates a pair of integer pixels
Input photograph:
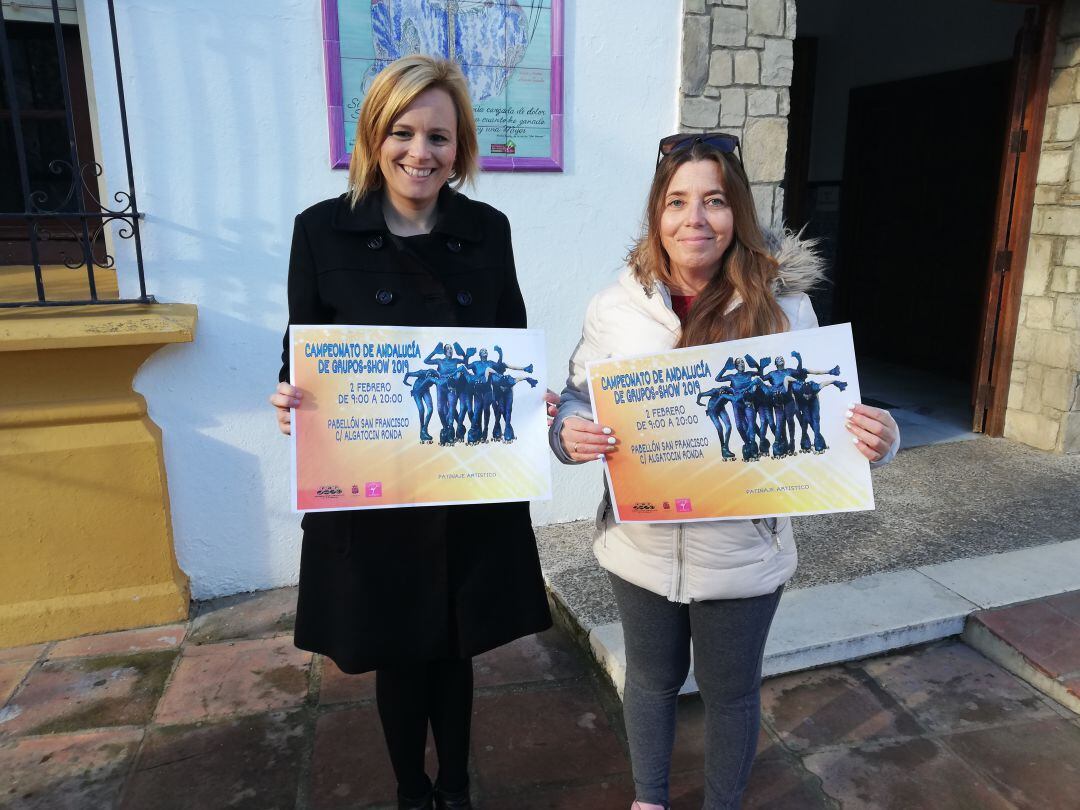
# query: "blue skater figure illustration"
{"type": "Point", "coordinates": [459, 381]}
{"type": "Point", "coordinates": [502, 386]}
{"type": "Point", "coordinates": [743, 383]}
{"type": "Point", "coordinates": [476, 392]}
{"type": "Point", "coordinates": [503, 394]}
{"type": "Point", "coordinates": [780, 404]}
{"type": "Point", "coordinates": [501, 365]}
{"type": "Point", "coordinates": [448, 387]}
{"type": "Point", "coordinates": [463, 391]}
{"type": "Point", "coordinates": [793, 409]}
{"type": "Point", "coordinates": [481, 394]}
{"type": "Point", "coordinates": [762, 400]}
{"type": "Point", "coordinates": [807, 400]}
{"type": "Point", "coordinates": [716, 410]}
{"type": "Point", "coordinates": [421, 394]}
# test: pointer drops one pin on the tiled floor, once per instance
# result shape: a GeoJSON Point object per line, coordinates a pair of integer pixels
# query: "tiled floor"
{"type": "Point", "coordinates": [224, 712]}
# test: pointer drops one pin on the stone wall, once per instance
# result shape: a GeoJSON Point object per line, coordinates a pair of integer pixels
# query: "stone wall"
{"type": "Point", "coordinates": [736, 71]}
{"type": "Point", "coordinates": [1044, 399]}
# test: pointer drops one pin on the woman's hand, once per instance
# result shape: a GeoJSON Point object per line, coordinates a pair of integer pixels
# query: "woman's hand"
{"type": "Point", "coordinates": [284, 399]}
{"type": "Point", "coordinates": [874, 430]}
{"type": "Point", "coordinates": [552, 400]}
{"type": "Point", "coordinates": [584, 440]}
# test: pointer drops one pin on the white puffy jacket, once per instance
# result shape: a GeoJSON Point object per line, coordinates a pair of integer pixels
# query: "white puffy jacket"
{"type": "Point", "coordinates": [683, 561]}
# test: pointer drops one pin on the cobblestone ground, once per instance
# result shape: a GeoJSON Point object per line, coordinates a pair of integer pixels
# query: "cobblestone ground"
{"type": "Point", "coordinates": [224, 712]}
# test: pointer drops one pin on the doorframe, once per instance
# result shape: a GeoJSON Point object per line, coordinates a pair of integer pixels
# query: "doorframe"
{"type": "Point", "coordinates": [1005, 274]}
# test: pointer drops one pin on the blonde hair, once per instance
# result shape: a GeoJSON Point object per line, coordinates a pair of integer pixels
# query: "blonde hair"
{"type": "Point", "coordinates": [747, 270]}
{"type": "Point", "coordinates": [394, 89]}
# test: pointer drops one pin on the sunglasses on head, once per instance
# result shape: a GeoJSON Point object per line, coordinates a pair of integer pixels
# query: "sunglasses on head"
{"type": "Point", "coordinates": [720, 141]}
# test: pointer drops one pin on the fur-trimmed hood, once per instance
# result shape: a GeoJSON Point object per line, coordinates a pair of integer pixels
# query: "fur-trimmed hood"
{"type": "Point", "coordinates": [802, 267]}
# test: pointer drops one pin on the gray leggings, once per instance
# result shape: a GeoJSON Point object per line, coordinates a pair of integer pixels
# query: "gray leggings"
{"type": "Point", "coordinates": [729, 641]}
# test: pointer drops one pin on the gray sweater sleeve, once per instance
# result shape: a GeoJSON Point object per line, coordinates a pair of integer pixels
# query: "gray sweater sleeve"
{"type": "Point", "coordinates": [574, 400]}
{"type": "Point", "coordinates": [567, 407]}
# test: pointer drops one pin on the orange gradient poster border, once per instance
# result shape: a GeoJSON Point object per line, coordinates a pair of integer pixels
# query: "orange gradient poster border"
{"type": "Point", "coordinates": [387, 417]}
{"type": "Point", "coordinates": [683, 419]}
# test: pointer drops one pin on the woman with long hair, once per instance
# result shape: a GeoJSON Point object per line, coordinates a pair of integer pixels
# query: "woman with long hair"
{"type": "Point", "coordinates": [702, 272]}
{"type": "Point", "coordinates": [414, 593]}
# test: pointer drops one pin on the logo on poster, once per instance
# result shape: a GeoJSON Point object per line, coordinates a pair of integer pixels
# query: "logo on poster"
{"type": "Point", "coordinates": [683, 505]}
{"type": "Point", "coordinates": [328, 491]}
{"type": "Point", "coordinates": [373, 489]}
{"type": "Point", "coordinates": [355, 489]}
{"type": "Point", "coordinates": [644, 507]}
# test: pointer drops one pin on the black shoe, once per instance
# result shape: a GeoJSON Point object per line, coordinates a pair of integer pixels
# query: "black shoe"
{"type": "Point", "coordinates": [452, 800]}
{"type": "Point", "coordinates": [424, 802]}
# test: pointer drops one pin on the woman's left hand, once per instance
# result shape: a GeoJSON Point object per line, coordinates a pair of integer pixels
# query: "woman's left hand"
{"type": "Point", "coordinates": [552, 400]}
{"type": "Point", "coordinates": [874, 430]}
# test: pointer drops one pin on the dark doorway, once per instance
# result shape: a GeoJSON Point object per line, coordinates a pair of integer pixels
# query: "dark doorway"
{"type": "Point", "coordinates": [899, 120]}
{"type": "Point", "coordinates": [919, 192]}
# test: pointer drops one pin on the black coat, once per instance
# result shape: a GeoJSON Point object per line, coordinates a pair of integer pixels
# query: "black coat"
{"type": "Point", "coordinates": [383, 587]}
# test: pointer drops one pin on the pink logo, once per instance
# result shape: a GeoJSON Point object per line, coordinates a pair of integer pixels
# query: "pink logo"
{"type": "Point", "coordinates": [682, 505]}
{"type": "Point", "coordinates": [373, 489]}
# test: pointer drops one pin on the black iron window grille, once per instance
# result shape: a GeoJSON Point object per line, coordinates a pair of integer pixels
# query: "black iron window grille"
{"type": "Point", "coordinates": [63, 218]}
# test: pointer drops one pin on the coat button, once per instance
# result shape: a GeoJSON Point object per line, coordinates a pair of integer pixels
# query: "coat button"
{"type": "Point", "coordinates": [464, 298]}
{"type": "Point", "coordinates": [375, 242]}
{"type": "Point", "coordinates": [454, 246]}
{"type": "Point", "coordinates": [384, 297]}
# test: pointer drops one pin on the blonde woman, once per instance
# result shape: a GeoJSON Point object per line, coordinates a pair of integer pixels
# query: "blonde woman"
{"type": "Point", "coordinates": [412, 593]}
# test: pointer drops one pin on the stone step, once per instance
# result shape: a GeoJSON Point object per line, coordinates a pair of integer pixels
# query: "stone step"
{"type": "Point", "coordinates": [846, 621]}
{"type": "Point", "coordinates": [1038, 641]}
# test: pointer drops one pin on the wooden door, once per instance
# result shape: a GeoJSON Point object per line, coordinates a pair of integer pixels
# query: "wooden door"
{"type": "Point", "coordinates": [1034, 54]}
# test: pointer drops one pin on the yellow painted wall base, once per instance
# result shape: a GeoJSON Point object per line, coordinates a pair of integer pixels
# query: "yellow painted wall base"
{"type": "Point", "coordinates": [86, 539]}
{"type": "Point", "coordinates": [98, 612]}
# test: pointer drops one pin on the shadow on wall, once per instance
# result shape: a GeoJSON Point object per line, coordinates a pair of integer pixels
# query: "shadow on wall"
{"type": "Point", "coordinates": [220, 489]}
{"type": "Point", "coordinates": [222, 138]}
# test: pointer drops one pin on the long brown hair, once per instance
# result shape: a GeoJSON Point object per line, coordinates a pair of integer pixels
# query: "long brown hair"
{"type": "Point", "coordinates": [747, 272]}
{"type": "Point", "coordinates": [394, 89]}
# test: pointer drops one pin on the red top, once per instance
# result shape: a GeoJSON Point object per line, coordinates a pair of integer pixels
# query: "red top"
{"type": "Point", "coordinates": [681, 305]}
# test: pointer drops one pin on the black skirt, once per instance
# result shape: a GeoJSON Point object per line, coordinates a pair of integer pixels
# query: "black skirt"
{"type": "Point", "coordinates": [379, 588]}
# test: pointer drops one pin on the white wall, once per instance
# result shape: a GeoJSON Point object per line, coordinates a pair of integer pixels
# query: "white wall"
{"type": "Point", "coordinates": [862, 43]}
{"type": "Point", "coordinates": [227, 111]}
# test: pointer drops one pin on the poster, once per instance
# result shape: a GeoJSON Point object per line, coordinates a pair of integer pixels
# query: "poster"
{"type": "Point", "coordinates": [417, 416]}
{"type": "Point", "coordinates": [509, 50]}
{"type": "Point", "coordinates": [747, 428]}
